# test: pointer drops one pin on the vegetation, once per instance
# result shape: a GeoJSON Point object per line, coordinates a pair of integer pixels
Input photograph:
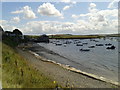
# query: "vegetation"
{"type": "Point", "coordinates": [32, 36]}
{"type": "Point", "coordinates": [18, 74]}
{"type": "Point", "coordinates": [113, 35]}
{"type": "Point", "coordinates": [0, 62]}
{"type": "Point", "coordinates": [17, 32]}
{"type": "Point", "coordinates": [68, 36]}
{"type": "Point", "coordinates": [10, 41]}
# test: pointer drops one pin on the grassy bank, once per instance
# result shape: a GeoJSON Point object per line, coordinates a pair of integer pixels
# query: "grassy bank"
{"type": "Point", "coordinates": [69, 36]}
{"type": "Point", "coordinates": [10, 42]}
{"type": "Point", "coordinates": [0, 62]}
{"type": "Point", "coordinates": [17, 73]}
{"type": "Point", "coordinates": [74, 36]}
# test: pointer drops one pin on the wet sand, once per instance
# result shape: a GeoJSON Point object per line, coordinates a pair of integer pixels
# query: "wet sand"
{"type": "Point", "coordinates": [62, 76]}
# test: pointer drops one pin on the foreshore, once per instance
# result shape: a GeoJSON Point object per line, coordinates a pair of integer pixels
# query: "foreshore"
{"type": "Point", "coordinates": [63, 75]}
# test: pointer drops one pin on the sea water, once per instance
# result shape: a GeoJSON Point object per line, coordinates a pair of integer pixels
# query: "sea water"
{"type": "Point", "coordinates": [98, 61]}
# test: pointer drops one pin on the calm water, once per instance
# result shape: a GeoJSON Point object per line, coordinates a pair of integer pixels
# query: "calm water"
{"type": "Point", "coordinates": [99, 60]}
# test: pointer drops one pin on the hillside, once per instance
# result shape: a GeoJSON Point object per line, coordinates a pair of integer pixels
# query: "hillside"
{"type": "Point", "coordinates": [17, 73]}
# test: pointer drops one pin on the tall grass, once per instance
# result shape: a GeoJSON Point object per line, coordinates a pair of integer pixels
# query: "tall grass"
{"type": "Point", "coordinates": [17, 73]}
{"type": "Point", "coordinates": [0, 62]}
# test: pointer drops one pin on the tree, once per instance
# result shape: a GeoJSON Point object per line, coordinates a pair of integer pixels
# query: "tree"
{"type": "Point", "coordinates": [17, 32]}
{"type": "Point", "coordinates": [1, 33]}
{"type": "Point", "coordinates": [1, 29]}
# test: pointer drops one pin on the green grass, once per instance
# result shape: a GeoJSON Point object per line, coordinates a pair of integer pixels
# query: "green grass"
{"type": "Point", "coordinates": [70, 36]}
{"type": "Point", "coordinates": [0, 62]}
{"type": "Point", "coordinates": [16, 73]}
{"type": "Point", "coordinates": [10, 41]}
{"type": "Point", "coordinates": [74, 36]}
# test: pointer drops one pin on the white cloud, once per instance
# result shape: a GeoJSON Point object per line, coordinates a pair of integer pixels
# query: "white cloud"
{"type": "Point", "coordinates": [92, 5]}
{"type": "Point", "coordinates": [109, 13]}
{"type": "Point", "coordinates": [92, 8]}
{"type": "Point", "coordinates": [101, 18]}
{"type": "Point", "coordinates": [62, 17]}
{"type": "Point", "coordinates": [98, 15]}
{"type": "Point", "coordinates": [69, 1]}
{"type": "Point", "coordinates": [6, 25]}
{"type": "Point", "coordinates": [9, 27]}
{"type": "Point", "coordinates": [27, 11]}
{"type": "Point", "coordinates": [57, 27]}
{"type": "Point", "coordinates": [2, 22]}
{"type": "Point", "coordinates": [113, 4]}
{"type": "Point", "coordinates": [74, 2]}
{"type": "Point", "coordinates": [99, 21]}
{"type": "Point", "coordinates": [17, 12]}
{"type": "Point", "coordinates": [75, 16]}
{"type": "Point", "coordinates": [94, 22]}
{"type": "Point", "coordinates": [66, 8]}
{"type": "Point", "coordinates": [49, 9]}
{"type": "Point", "coordinates": [78, 27]}
{"type": "Point", "coordinates": [66, 1]}
{"type": "Point", "coordinates": [84, 15]}
{"type": "Point", "coordinates": [15, 19]}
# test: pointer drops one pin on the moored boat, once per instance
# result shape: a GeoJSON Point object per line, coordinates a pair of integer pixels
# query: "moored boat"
{"type": "Point", "coordinates": [84, 49]}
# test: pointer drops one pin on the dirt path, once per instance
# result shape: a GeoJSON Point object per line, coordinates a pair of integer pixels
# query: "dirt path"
{"type": "Point", "coordinates": [63, 76]}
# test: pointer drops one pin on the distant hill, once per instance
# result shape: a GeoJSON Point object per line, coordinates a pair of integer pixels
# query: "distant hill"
{"type": "Point", "coordinates": [70, 36]}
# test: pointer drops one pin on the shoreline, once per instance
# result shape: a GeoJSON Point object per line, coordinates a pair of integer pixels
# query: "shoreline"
{"type": "Point", "coordinates": [75, 70]}
{"type": "Point", "coordinates": [72, 69]}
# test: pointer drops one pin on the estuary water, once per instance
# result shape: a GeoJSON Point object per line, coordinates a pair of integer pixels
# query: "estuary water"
{"type": "Point", "coordinates": [97, 60]}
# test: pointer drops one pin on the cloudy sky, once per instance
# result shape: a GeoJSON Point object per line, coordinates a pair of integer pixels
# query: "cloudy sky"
{"type": "Point", "coordinates": [60, 17]}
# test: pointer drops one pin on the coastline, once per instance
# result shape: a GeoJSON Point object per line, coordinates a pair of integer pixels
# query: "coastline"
{"type": "Point", "coordinates": [75, 70]}
{"type": "Point", "coordinates": [90, 78]}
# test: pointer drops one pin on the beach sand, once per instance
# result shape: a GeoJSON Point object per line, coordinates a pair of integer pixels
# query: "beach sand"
{"type": "Point", "coordinates": [60, 75]}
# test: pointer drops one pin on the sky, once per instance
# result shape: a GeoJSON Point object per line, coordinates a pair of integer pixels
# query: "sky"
{"type": "Point", "coordinates": [69, 17]}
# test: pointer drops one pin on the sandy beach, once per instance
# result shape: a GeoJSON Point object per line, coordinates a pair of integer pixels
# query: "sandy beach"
{"type": "Point", "coordinates": [64, 77]}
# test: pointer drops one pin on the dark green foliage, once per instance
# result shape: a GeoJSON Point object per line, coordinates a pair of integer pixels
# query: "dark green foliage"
{"type": "Point", "coordinates": [10, 41]}
{"type": "Point", "coordinates": [17, 32]}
